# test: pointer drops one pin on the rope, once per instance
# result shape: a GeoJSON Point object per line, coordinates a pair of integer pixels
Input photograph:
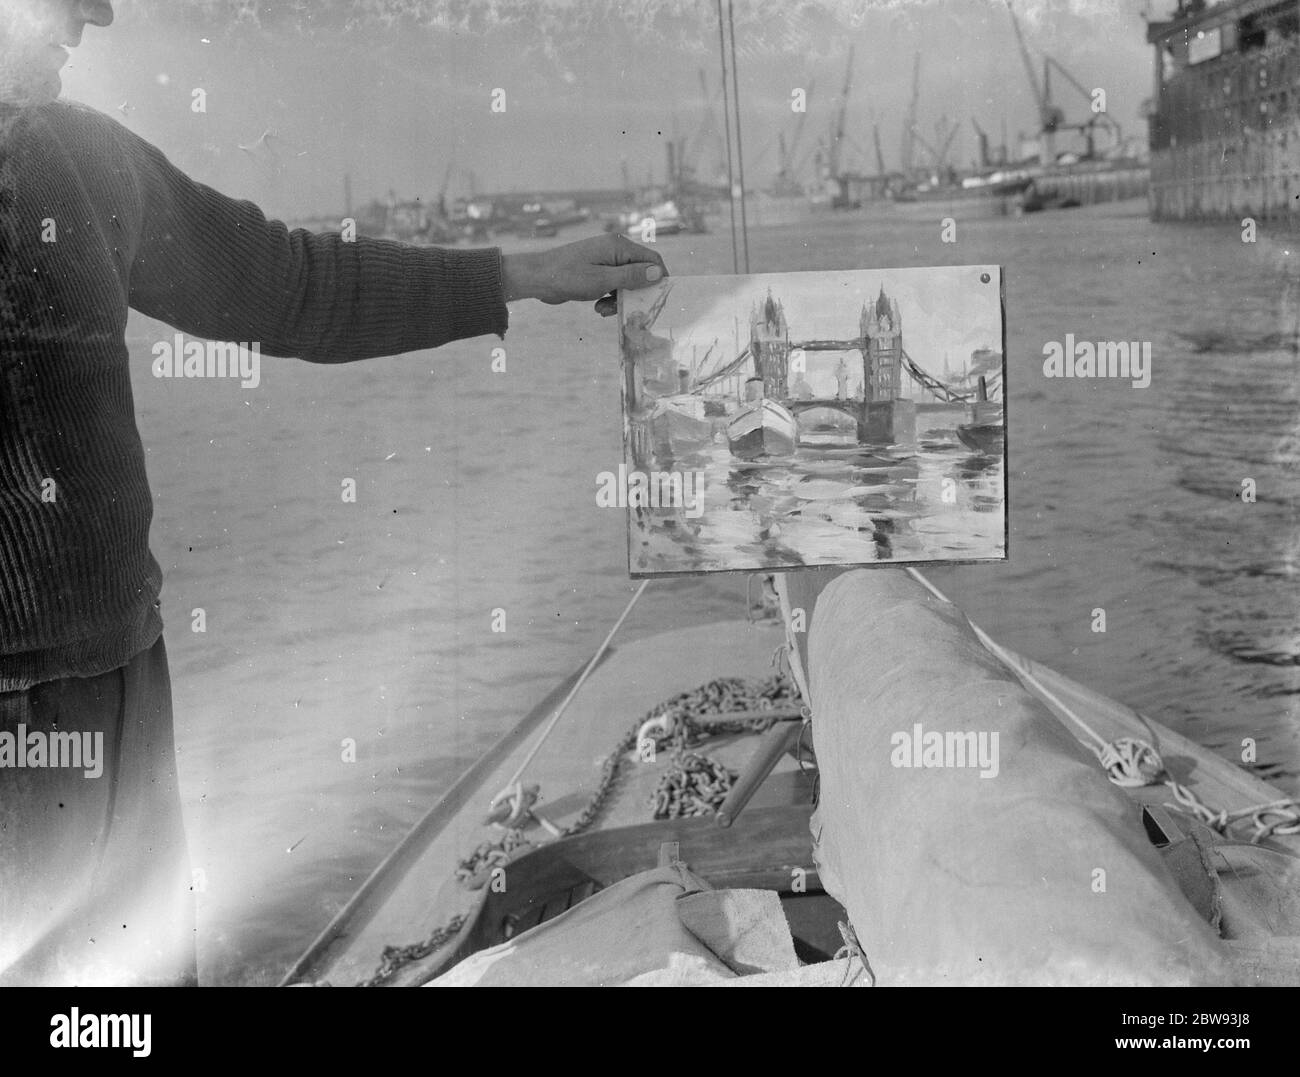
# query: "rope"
{"type": "Point", "coordinates": [1132, 763]}
{"type": "Point", "coordinates": [791, 644]}
{"type": "Point", "coordinates": [756, 705]}
{"type": "Point", "coordinates": [1002, 655]}
{"type": "Point", "coordinates": [508, 791]}
{"type": "Point", "coordinates": [851, 949]}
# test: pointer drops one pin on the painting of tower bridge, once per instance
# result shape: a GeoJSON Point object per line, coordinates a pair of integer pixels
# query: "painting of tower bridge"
{"type": "Point", "coordinates": [825, 418]}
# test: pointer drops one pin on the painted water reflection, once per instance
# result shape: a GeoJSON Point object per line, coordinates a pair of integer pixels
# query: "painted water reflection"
{"type": "Point", "coordinates": [930, 499]}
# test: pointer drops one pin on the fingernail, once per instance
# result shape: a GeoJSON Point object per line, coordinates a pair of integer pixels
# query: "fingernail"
{"type": "Point", "coordinates": [653, 273]}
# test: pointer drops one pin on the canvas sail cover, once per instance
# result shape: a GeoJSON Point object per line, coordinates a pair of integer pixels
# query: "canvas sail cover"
{"type": "Point", "coordinates": [969, 835]}
{"type": "Point", "coordinates": [997, 854]}
{"type": "Point", "coordinates": [659, 928]}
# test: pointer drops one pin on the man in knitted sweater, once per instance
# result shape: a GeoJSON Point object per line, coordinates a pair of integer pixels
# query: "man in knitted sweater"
{"type": "Point", "coordinates": [94, 874]}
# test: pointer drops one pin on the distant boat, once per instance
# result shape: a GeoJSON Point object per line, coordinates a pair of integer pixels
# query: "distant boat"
{"type": "Point", "coordinates": [763, 428]}
{"type": "Point", "coordinates": [997, 194]}
{"type": "Point", "coordinates": [681, 422]}
{"type": "Point", "coordinates": [987, 430]}
{"type": "Point", "coordinates": [667, 217]}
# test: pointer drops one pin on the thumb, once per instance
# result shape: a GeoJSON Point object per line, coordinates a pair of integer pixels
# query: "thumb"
{"type": "Point", "coordinates": [635, 275]}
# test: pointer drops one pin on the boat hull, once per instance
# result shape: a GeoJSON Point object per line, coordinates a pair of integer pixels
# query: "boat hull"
{"type": "Point", "coordinates": [762, 429]}
{"type": "Point", "coordinates": [983, 438]}
{"type": "Point", "coordinates": [1068, 187]}
{"type": "Point", "coordinates": [984, 431]}
{"type": "Point", "coordinates": [1245, 174]}
{"type": "Point", "coordinates": [1225, 129]}
{"type": "Point", "coordinates": [990, 200]}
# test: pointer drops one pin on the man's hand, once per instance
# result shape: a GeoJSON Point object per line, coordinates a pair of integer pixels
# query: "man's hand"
{"type": "Point", "coordinates": [589, 269]}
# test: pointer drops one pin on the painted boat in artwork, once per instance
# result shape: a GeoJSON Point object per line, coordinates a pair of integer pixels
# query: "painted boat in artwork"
{"type": "Point", "coordinates": [680, 422]}
{"type": "Point", "coordinates": [986, 431]}
{"type": "Point", "coordinates": [764, 428]}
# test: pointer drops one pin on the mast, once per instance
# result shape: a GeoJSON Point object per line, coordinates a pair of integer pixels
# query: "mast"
{"type": "Point", "coordinates": [740, 153]}
{"type": "Point", "coordinates": [726, 119]}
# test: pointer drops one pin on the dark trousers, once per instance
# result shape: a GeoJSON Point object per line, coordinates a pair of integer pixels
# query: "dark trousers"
{"type": "Point", "coordinates": [95, 885]}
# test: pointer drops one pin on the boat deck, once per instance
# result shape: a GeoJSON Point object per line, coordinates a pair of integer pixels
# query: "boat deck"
{"type": "Point", "coordinates": [415, 888]}
{"type": "Point", "coordinates": [415, 892]}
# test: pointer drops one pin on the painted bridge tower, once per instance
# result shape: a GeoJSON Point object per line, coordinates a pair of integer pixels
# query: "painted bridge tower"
{"type": "Point", "coordinates": [882, 348]}
{"type": "Point", "coordinates": [769, 343]}
{"type": "Point", "coordinates": [886, 417]}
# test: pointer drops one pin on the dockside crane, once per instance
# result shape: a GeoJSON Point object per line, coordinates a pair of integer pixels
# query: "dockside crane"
{"type": "Point", "coordinates": [909, 121]}
{"type": "Point", "coordinates": [944, 141]}
{"type": "Point", "coordinates": [982, 139]}
{"type": "Point", "coordinates": [1051, 117]}
{"type": "Point", "coordinates": [707, 139]}
{"type": "Point", "coordinates": [787, 172]}
{"type": "Point", "coordinates": [835, 157]}
{"type": "Point", "coordinates": [1087, 127]}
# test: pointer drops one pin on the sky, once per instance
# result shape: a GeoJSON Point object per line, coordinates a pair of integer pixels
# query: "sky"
{"type": "Point", "coordinates": [944, 310]}
{"type": "Point", "coordinates": [399, 93]}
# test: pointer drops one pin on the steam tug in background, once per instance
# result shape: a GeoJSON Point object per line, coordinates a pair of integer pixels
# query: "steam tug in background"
{"type": "Point", "coordinates": [1225, 117]}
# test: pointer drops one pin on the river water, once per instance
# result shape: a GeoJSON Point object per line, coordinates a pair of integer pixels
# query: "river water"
{"type": "Point", "coordinates": [332, 624]}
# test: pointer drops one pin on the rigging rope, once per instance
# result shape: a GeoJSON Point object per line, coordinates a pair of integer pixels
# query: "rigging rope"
{"type": "Point", "coordinates": [791, 644]}
{"type": "Point", "coordinates": [754, 704]}
{"type": "Point", "coordinates": [511, 791]}
{"type": "Point", "coordinates": [1131, 762]}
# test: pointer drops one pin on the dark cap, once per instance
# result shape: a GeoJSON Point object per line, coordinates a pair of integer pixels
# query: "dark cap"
{"type": "Point", "coordinates": [96, 12]}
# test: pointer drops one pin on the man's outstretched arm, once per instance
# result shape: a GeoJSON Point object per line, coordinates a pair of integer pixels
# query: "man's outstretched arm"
{"type": "Point", "coordinates": [216, 267]}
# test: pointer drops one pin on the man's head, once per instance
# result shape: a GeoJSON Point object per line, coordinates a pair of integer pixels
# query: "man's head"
{"type": "Point", "coordinates": [34, 38]}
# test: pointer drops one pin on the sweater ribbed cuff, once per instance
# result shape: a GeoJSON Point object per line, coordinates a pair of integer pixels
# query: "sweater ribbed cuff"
{"type": "Point", "coordinates": [484, 309]}
{"type": "Point", "coordinates": [460, 294]}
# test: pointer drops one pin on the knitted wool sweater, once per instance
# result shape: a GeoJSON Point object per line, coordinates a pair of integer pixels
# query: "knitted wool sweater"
{"type": "Point", "coordinates": [94, 220]}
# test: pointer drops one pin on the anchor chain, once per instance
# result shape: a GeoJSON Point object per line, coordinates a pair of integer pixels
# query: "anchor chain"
{"type": "Point", "coordinates": [488, 855]}
{"type": "Point", "coordinates": [676, 718]}
{"type": "Point", "coordinates": [694, 785]}
{"type": "Point", "coordinates": [395, 958]}
{"type": "Point", "coordinates": [725, 695]}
